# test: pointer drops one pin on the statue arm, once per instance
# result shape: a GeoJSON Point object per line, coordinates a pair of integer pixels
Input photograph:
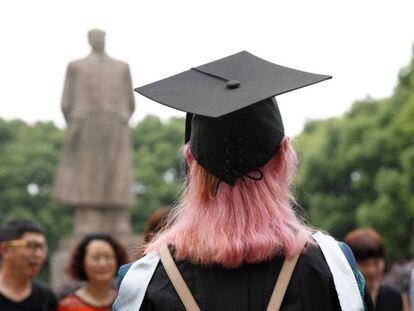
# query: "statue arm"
{"type": "Point", "coordinates": [67, 97]}
{"type": "Point", "coordinates": [128, 83]}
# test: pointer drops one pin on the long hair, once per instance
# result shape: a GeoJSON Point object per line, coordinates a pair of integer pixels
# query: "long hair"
{"type": "Point", "coordinates": [250, 222]}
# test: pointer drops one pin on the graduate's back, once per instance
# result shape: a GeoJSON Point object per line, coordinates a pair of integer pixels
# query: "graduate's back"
{"type": "Point", "coordinates": [247, 288]}
{"type": "Point", "coordinates": [230, 247]}
{"type": "Point", "coordinates": [235, 225]}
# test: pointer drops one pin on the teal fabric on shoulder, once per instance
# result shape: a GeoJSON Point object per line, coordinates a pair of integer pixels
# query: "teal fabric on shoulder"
{"type": "Point", "coordinates": [352, 262]}
{"type": "Point", "coordinates": [114, 308]}
{"type": "Point", "coordinates": [121, 274]}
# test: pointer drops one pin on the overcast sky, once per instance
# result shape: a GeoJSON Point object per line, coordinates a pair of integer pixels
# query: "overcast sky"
{"type": "Point", "coordinates": [362, 44]}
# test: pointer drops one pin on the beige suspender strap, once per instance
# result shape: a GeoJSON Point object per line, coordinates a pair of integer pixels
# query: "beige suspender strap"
{"type": "Point", "coordinates": [284, 278]}
{"type": "Point", "coordinates": [177, 280]}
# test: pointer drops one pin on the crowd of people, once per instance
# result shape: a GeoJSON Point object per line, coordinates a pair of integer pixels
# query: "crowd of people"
{"type": "Point", "coordinates": [93, 267]}
{"type": "Point", "coordinates": [97, 258]}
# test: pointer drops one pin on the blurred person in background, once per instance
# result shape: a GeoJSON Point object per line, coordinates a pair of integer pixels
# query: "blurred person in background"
{"type": "Point", "coordinates": [96, 261]}
{"type": "Point", "coordinates": [23, 252]}
{"type": "Point", "coordinates": [156, 223]}
{"type": "Point", "coordinates": [368, 248]}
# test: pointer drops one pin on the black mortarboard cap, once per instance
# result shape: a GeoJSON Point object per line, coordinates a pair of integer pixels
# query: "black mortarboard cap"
{"type": "Point", "coordinates": [233, 122]}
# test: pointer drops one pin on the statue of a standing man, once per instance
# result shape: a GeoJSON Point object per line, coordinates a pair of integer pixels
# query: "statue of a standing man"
{"type": "Point", "coordinates": [95, 173]}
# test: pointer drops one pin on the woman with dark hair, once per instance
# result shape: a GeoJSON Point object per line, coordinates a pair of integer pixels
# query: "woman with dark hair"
{"type": "Point", "coordinates": [234, 241]}
{"type": "Point", "coordinates": [368, 249]}
{"type": "Point", "coordinates": [95, 260]}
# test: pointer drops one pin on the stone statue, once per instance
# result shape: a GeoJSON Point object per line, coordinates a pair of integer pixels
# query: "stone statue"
{"type": "Point", "coordinates": [95, 173]}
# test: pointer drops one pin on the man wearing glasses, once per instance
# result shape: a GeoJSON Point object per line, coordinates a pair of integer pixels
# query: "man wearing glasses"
{"type": "Point", "coordinates": [23, 252]}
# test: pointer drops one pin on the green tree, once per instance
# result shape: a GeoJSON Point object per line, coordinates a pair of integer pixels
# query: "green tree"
{"type": "Point", "coordinates": [157, 166]}
{"type": "Point", "coordinates": [28, 158]}
{"type": "Point", "coordinates": [358, 170]}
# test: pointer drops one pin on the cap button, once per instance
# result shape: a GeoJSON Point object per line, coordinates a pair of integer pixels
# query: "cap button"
{"type": "Point", "coordinates": [232, 84]}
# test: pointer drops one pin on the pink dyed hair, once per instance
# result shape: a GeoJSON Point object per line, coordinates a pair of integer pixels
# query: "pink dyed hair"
{"type": "Point", "coordinates": [249, 222]}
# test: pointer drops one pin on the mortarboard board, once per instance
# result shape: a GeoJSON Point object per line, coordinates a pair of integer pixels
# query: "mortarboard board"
{"type": "Point", "coordinates": [233, 122]}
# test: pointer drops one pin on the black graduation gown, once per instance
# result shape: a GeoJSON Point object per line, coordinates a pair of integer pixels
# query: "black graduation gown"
{"type": "Point", "coordinates": [249, 287]}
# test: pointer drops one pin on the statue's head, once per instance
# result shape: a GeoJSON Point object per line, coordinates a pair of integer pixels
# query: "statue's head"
{"type": "Point", "coordinates": [96, 38]}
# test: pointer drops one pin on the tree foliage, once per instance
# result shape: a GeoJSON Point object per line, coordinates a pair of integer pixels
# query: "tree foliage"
{"type": "Point", "coordinates": [358, 169]}
{"type": "Point", "coordinates": [28, 159]}
{"type": "Point", "coordinates": [157, 161]}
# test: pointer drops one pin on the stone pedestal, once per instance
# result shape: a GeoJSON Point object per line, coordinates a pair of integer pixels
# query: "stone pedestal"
{"type": "Point", "coordinates": [115, 221]}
